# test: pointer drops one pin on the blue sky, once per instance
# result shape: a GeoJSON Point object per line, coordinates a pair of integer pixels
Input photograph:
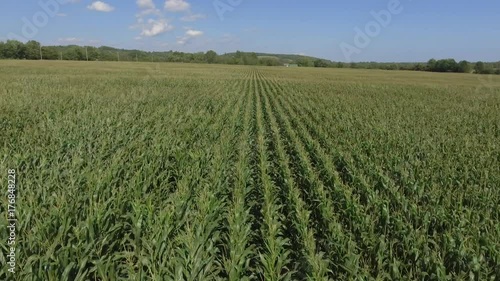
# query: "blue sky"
{"type": "Point", "coordinates": [407, 30]}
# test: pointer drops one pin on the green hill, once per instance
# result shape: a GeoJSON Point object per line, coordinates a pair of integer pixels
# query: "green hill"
{"type": "Point", "coordinates": [275, 59]}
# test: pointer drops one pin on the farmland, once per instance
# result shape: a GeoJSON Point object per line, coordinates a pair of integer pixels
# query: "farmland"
{"type": "Point", "coordinates": [137, 171]}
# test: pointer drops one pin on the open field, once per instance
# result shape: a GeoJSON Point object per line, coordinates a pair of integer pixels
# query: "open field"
{"type": "Point", "coordinates": [135, 171]}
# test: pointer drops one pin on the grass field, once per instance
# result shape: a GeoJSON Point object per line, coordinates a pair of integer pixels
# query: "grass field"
{"type": "Point", "coordinates": [135, 171]}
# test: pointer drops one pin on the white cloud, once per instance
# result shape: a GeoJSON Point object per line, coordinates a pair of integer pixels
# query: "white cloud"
{"type": "Point", "coordinates": [150, 20]}
{"type": "Point", "coordinates": [193, 17]}
{"type": "Point", "coordinates": [177, 5]}
{"type": "Point", "coordinates": [194, 33]}
{"type": "Point", "coordinates": [190, 34]}
{"type": "Point", "coordinates": [156, 27]}
{"type": "Point", "coordinates": [61, 15]}
{"type": "Point", "coordinates": [146, 4]}
{"type": "Point", "coordinates": [100, 7]}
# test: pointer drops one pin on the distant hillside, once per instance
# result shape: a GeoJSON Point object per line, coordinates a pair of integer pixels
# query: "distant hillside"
{"type": "Point", "coordinates": [283, 58]}
{"type": "Point", "coordinates": [32, 50]}
{"type": "Point", "coordinates": [291, 58]}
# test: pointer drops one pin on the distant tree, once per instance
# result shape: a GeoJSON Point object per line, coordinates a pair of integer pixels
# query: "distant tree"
{"type": "Point", "coordinates": [305, 62]}
{"type": "Point", "coordinates": [479, 68]}
{"type": "Point", "coordinates": [340, 64]}
{"type": "Point", "coordinates": [419, 67]}
{"type": "Point", "coordinates": [488, 70]}
{"type": "Point", "coordinates": [186, 57]}
{"type": "Point", "coordinates": [211, 56]}
{"type": "Point", "coordinates": [251, 59]}
{"type": "Point", "coordinates": [446, 65]}
{"type": "Point", "coordinates": [176, 56]}
{"type": "Point", "coordinates": [246, 59]}
{"type": "Point", "coordinates": [410, 66]}
{"type": "Point", "coordinates": [77, 53]}
{"type": "Point", "coordinates": [485, 68]}
{"type": "Point", "coordinates": [239, 57]}
{"type": "Point", "coordinates": [451, 65]}
{"type": "Point", "coordinates": [269, 61]}
{"type": "Point", "coordinates": [320, 63]}
{"type": "Point", "coordinates": [14, 49]}
{"type": "Point", "coordinates": [431, 65]}
{"type": "Point", "coordinates": [197, 57]}
{"type": "Point", "coordinates": [106, 54]}
{"type": "Point", "coordinates": [93, 54]}
{"type": "Point", "coordinates": [391, 66]}
{"type": "Point", "coordinates": [50, 53]}
{"type": "Point", "coordinates": [373, 65]}
{"type": "Point", "coordinates": [464, 67]}
{"type": "Point", "coordinates": [32, 50]}
{"type": "Point", "coordinates": [2, 46]}
{"type": "Point", "coordinates": [232, 60]}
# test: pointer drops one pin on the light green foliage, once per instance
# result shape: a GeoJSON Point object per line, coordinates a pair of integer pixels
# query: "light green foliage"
{"type": "Point", "coordinates": [137, 171]}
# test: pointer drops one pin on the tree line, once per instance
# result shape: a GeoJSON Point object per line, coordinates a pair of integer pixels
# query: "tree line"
{"type": "Point", "coordinates": [33, 50]}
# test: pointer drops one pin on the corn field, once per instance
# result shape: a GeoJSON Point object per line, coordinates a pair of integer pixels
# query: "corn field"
{"type": "Point", "coordinates": [136, 171]}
